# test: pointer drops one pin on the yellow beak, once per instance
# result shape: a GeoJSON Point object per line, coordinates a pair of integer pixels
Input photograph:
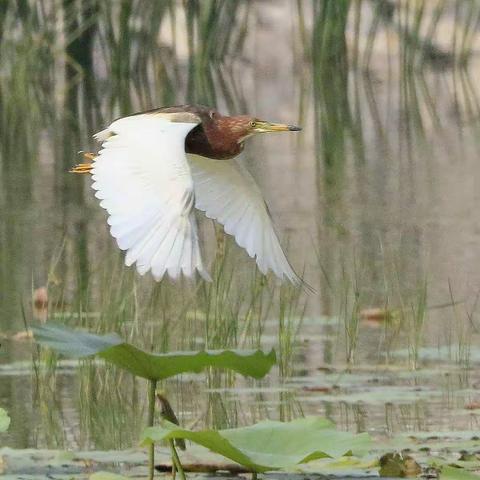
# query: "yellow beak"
{"type": "Point", "coordinates": [265, 127]}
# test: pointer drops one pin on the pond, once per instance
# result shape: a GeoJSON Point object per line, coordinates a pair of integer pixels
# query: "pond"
{"type": "Point", "coordinates": [376, 201]}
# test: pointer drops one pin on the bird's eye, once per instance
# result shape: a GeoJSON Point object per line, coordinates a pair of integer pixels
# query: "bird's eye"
{"type": "Point", "coordinates": [213, 115]}
{"type": "Point", "coordinates": [253, 124]}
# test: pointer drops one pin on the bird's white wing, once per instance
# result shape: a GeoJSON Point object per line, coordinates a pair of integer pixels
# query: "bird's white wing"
{"type": "Point", "coordinates": [143, 180]}
{"type": "Point", "coordinates": [226, 192]}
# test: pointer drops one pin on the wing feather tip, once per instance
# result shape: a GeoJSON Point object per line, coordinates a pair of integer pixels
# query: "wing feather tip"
{"type": "Point", "coordinates": [173, 273]}
{"type": "Point", "coordinates": [102, 135]}
{"type": "Point", "coordinates": [205, 275]}
{"type": "Point", "coordinates": [176, 274]}
{"type": "Point", "coordinates": [299, 282]}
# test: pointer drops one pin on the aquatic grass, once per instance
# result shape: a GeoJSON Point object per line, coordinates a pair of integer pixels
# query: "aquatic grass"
{"type": "Point", "coordinates": [220, 411]}
{"type": "Point", "coordinates": [355, 294]}
{"type": "Point", "coordinates": [410, 314]}
{"type": "Point", "coordinates": [233, 309]}
{"type": "Point", "coordinates": [112, 407]}
{"type": "Point", "coordinates": [346, 295]}
{"type": "Point", "coordinates": [48, 419]}
{"type": "Point", "coordinates": [350, 314]}
{"type": "Point", "coordinates": [47, 403]}
{"type": "Point", "coordinates": [214, 32]}
{"type": "Point", "coordinates": [463, 332]}
{"type": "Point", "coordinates": [290, 316]}
{"type": "Point", "coordinates": [416, 324]}
{"type": "Point", "coordinates": [257, 311]}
{"type": "Point", "coordinates": [289, 406]}
{"type": "Point", "coordinates": [416, 23]}
{"type": "Point", "coordinates": [134, 58]}
{"type": "Point", "coordinates": [221, 309]}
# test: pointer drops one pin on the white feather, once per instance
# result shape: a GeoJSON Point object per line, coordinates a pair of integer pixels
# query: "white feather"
{"type": "Point", "coordinates": [143, 180]}
{"type": "Point", "coordinates": [102, 135]}
{"type": "Point", "coordinates": [226, 192]}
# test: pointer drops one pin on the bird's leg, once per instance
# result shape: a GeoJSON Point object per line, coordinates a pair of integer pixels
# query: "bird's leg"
{"type": "Point", "coordinates": [89, 156]}
{"type": "Point", "coordinates": [84, 167]}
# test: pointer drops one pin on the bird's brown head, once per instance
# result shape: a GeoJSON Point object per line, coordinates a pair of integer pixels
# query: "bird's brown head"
{"type": "Point", "coordinates": [223, 137]}
{"type": "Point", "coordinates": [240, 127]}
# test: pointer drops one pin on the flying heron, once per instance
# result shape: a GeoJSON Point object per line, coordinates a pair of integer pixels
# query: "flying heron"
{"type": "Point", "coordinates": [156, 167]}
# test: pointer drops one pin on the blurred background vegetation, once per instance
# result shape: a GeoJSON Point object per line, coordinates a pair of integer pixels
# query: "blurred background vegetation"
{"type": "Point", "coordinates": [377, 199]}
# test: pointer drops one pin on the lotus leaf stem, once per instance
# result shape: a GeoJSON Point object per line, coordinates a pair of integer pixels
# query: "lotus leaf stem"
{"type": "Point", "coordinates": [152, 385]}
{"type": "Point", "coordinates": [174, 465]}
{"type": "Point", "coordinates": [176, 461]}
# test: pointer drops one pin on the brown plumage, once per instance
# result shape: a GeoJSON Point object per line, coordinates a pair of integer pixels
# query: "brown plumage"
{"type": "Point", "coordinates": [220, 138]}
{"type": "Point", "coordinates": [217, 136]}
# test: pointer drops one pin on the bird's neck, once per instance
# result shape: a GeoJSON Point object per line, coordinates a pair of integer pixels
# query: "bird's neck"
{"type": "Point", "coordinates": [208, 140]}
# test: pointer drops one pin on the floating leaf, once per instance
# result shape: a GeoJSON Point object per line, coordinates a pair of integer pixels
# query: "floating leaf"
{"type": "Point", "coordinates": [107, 476]}
{"type": "Point", "coordinates": [270, 445]}
{"type": "Point", "coordinates": [397, 465]}
{"type": "Point", "coordinates": [4, 420]}
{"type": "Point", "coordinates": [152, 366]}
{"type": "Point", "coordinates": [453, 473]}
{"type": "Point", "coordinates": [348, 465]}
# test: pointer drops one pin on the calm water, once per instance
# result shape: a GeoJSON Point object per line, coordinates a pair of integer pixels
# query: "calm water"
{"type": "Point", "coordinates": [376, 198]}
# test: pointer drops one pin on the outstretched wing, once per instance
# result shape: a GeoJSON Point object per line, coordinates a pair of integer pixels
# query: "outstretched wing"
{"type": "Point", "coordinates": [226, 192]}
{"type": "Point", "coordinates": [143, 180]}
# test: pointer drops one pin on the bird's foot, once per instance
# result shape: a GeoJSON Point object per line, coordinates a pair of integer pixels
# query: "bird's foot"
{"type": "Point", "coordinates": [84, 167]}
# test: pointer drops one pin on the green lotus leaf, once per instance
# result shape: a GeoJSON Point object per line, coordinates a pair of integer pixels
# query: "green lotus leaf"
{"type": "Point", "coordinates": [270, 445]}
{"type": "Point", "coordinates": [152, 366]}
{"type": "Point", "coordinates": [4, 420]}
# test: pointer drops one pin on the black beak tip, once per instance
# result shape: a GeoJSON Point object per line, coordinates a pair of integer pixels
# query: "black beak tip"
{"type": "Point", "coordinates": [294, 128]}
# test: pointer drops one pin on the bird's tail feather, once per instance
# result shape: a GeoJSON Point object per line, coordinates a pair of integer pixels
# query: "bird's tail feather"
{"type": "Point", "coordinates": [162, 245]}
